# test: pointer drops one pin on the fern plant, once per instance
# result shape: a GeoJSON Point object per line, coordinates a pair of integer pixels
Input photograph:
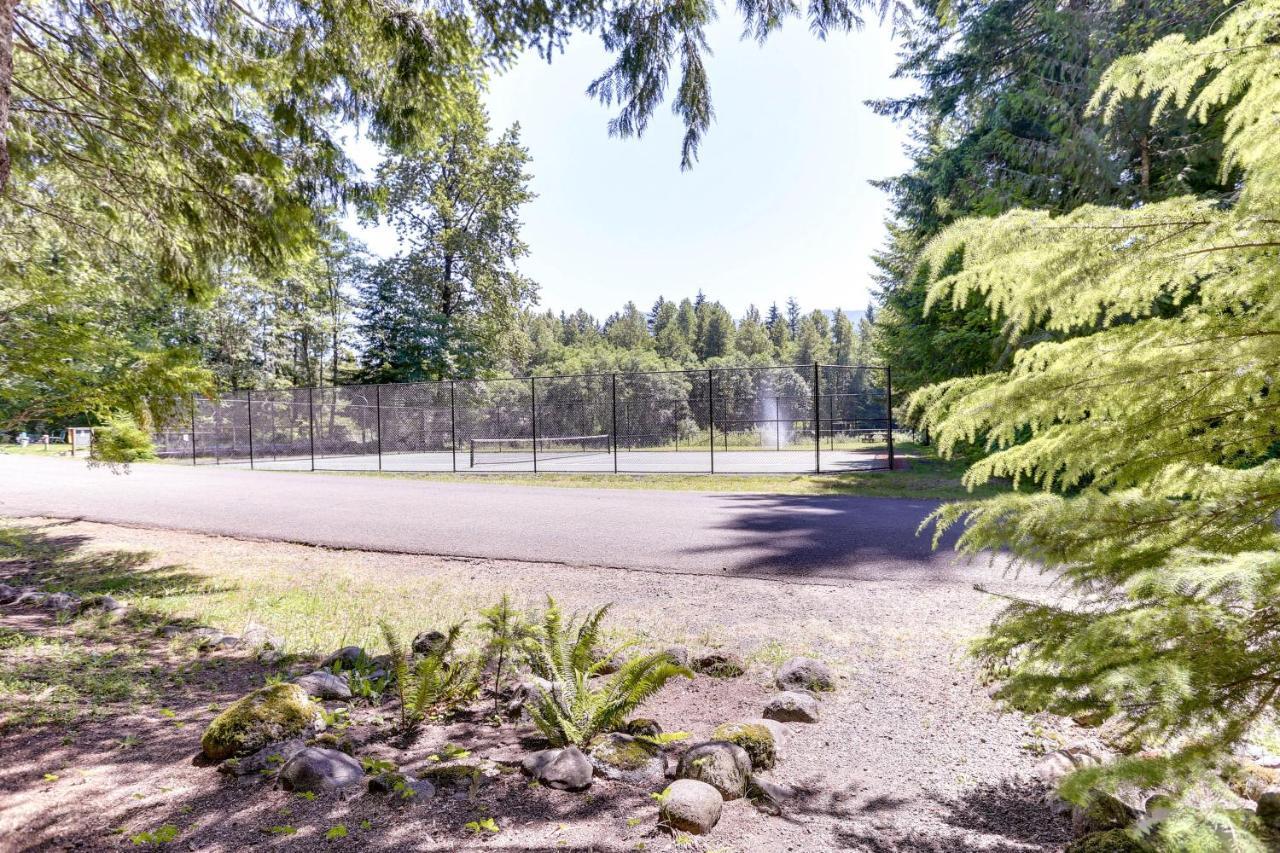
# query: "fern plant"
{"type": "Point", "coordinates": [437, 684]}
{"type": "Point", "coordinates": [574, 711]}
{"type": "Point", "coordinates": [507, 632]}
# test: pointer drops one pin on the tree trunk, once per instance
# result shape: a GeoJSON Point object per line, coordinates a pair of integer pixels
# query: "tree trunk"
{"type": "Point", "coordinates": [8, 8]}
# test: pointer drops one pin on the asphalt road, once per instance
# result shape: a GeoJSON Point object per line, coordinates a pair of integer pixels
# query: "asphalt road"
{"type": "Point", "coordinates": [828, 538]}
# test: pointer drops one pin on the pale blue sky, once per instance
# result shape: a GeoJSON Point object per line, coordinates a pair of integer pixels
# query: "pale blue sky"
{"type": "Point", "coordinates": [778, 204]}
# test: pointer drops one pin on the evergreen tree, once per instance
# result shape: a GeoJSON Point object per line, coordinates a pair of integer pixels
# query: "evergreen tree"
{"type": "Point", "coordinates": [1148, 420]}
{"type": "Point", "coordinates": [456, 290]}
{"type": "Point", "coordinates": [628, 329]}
{"type": "Point", "coordinates": [843, 345]}
{"type": "Point", "coordinates": [752, 338]}
{"type": "Point", "coordinates": [793, 316]}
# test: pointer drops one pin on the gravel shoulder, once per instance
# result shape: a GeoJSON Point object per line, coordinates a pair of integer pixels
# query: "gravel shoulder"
{"type": "Point", "coordinates": [910, 754]}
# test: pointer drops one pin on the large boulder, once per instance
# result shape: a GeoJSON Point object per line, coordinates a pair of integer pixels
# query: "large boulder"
{"type": "Point", "coordinates": [1060, 763]}
{"type": "Point", "coordinates": [768, 796]}
{"type": "Point", "coordinates": [564, 769]}
{"type": "Point", "coordinates": [316, 770]}
{"type": "Point", "coordinates": [622, 758]}
{"type": "Point", "coordinates": [688, 805]}
{"type": "Point", "coordinates": [323, 684]}
{"type": "Point", "coordinates": [724, 766]}
{"type": "Point", "coordinates": [792, 707]}
{"type": "Point", "coordinates": [260, 637]}
{"type": "Point", "coordinates": [269, 714]}
{"type": "Point", "coordinates": [805, 674]}
{"type": "Point", "coordinates": [755, 738]}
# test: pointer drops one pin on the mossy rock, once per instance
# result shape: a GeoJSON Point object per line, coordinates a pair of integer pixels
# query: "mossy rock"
{"type": "Point", "coordinates": [719, 665]}
{"type": "Point", "coordinates": [267, 715]}
{"type": "Point", "coordinates": [754, 738]}
{"type": "Point", "coordinates": [454, 773]}
{"type": "Point", "coordinates": [1111, 841]}
{"type": "Point", "coordinates": [623, 751]}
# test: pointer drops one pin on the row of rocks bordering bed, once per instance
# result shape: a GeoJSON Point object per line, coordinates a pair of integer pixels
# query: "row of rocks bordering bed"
{"type": "Point", "coordinates": [63, 603]}
{"type": "Point", "coordinates": [278, 731]}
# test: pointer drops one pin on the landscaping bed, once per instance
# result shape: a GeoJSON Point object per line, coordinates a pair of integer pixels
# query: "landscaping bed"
{"type": "Point", "coordinates": [104, 711]}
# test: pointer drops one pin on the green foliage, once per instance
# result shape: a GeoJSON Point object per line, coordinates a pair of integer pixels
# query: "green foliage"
{"type": "Point", "coordinates": [335, 833]}
{"type": "Point", "coordinates": [505, 634]}
{"type": "Point", "coordinates": [446, 306]}
{"type": "Point", "coordinates": [1151, 427]}
{"type": "Point", "coordinates": [161, 835]}
{"type": "Point", "coordinates": [575, 710]}
{"type": "Point", "coordinates": [437, 684]}
{"type": "Point", "coordinates": [266, 715]}
{"type": "Point", "coordinates": [121, 441]}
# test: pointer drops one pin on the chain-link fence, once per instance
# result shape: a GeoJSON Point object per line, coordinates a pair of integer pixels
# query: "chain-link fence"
{"type": "Point", "coordinates": [823, 418]}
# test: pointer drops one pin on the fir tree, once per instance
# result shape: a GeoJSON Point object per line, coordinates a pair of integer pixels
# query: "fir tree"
{"type": "Point", "coordinates": [1150, 427]}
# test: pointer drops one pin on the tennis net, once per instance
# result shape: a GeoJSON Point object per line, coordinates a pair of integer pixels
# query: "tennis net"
{"type": "Point", "coordinates": [496, 451]}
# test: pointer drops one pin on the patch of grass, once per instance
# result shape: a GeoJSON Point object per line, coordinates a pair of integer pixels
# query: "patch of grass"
{"type": "Point", "coordinates": [920, 474]}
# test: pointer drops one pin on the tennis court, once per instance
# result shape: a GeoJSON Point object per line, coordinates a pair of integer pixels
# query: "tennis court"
{"type": "Point", "coordinates": [824, 418]}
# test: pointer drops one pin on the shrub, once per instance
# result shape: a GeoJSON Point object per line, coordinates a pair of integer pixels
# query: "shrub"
{"type": "Point", "coordinates": [121, 441]}
{"type": "Point", "coordinates": [575, 710]}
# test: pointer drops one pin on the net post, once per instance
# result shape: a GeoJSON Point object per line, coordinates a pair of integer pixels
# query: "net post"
{"type": "Point", "coordinates": [193, 428]}
{"type": "Point", "coordinates": [711, 417]}
{"type": "Point", "coordinates": [248, 404]}
{"type": "Point", "coordinates": [533, 409]}
{"type": "Point", "coordinates": [817, 421]}
{"type": "Point", "coordinates": [311, 423]}
{"type": "Point", "coordinates": [888, 409]}
{"type": "Point", "coordinates": [377, 409]}
{"type": "Point", "coordinates": [613, 393]}
{"type": "Point", "coordinates": [453, 429]}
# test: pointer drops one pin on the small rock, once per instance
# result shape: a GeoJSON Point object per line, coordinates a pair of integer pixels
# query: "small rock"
{"type": "Point", "coordinates": [270, 758]}
{"type": "Point", "coordinates": [30, 597]}
{"type": "Point", "coordinates": [564, 769]}
{"type": "Point", "coordinates": [724, 766]}
{"type": "Point", "coordinates": [769, 796]}
{"type": "Point", "coordinates": [315, 769]}
{"type": "Point", "coordinates": [780, 731]}
{"type": "Point", "coordinates": [226, 641]}
{"type": "Point", "coordinates": [643, 726]}
{"type": "Point", "coordinates": [324, 685]}
{"type": "Point", "coordinates": [1102, 811]}
{"type": "Point", "coordinates": [427, 642]}
{"type": "Point", "coordinates": [62, 602]}
{"type": "Point", "coordinates": [622, 758]}
{"type": "Point", "coordinates": [403, 789]}
{"type": "Point", "coordinates": [169, 631]}
{"type": "Point", "coordinates": [346, 658]}
{"type": "Point", "coordinates": [8, 593]}
{"type": "Point", "coordinates": [792, 707]}
{"type": "Point", "coordinates": [607, 664]}
{"type": "Point", "coordinates": [1269, 808]}
{"type": "Point", "coordinates": [260, 637]}
{"type": "Point", "coordinates": [270, 657]}
{"type": "Point", "coordinates": [1055, 766]}
{"type": "Point", "coordinates": [805, 674]}
{"type": "Point", "coordinates": [688, 805]}
{"type": "Point", "coordinates": [108, 602]}
{"type": "Point", "coordinates": [679, 654]}
{"type": "Point", "coordinates": [719, 665]}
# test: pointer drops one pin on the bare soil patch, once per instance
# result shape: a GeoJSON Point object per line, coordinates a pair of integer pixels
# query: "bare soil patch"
{"type": "Point", "coordinates": [101, 721]}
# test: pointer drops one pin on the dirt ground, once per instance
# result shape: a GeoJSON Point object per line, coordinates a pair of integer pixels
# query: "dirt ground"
{"type": "Point", "coordinates": [910, 753]}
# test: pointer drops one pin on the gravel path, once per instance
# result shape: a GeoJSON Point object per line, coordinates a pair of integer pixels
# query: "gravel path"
{"type": "Point", "coordinates": [910, 755]}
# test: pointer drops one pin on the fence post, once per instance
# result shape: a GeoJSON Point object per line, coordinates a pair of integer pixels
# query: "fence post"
{"type": "Point", "coordinates": [193, 429]}
{"type": "Point", "coordinates": [453, 425]}
{"type": "Point", "coordinates": [613, 393]}
{"type": "Point", "coordinates": [533, 406]}
{"type": "Point", "coordinates": [777, 424]}
{"type": "Point", "coordinates": [248, 404]}
{"type": "Point", "coordinates": [711, 417]}
{"type": "Point", "coordinates": [311, 422]}
{"type": "Point", "coordinates": [888, 384]}
{"type": "Point", "coordinates": [377, 409]}
{"type": "Point", "coordinates": [817, 421]}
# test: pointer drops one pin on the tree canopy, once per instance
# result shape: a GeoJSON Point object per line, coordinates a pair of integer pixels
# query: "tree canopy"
{"type": "Point", "coordinates": [1148, 422]}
